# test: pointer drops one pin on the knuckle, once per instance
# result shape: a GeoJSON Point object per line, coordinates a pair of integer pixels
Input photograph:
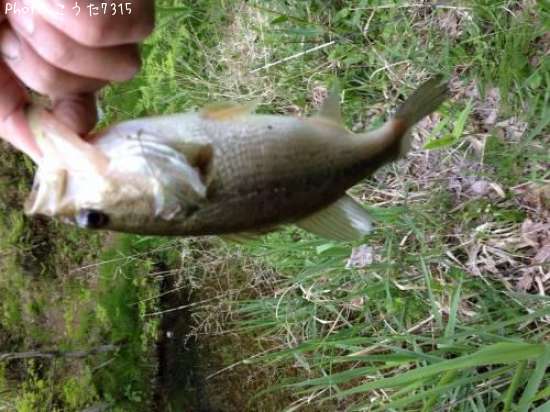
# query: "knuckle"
{"type": "Point", "coordinates": [144, 28]}
{"type": "Point", "coordinates": [103, 32]}
{"type": "Point", "coordinates": [92, 35]}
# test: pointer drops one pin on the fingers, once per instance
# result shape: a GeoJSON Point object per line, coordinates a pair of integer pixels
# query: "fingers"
{"type": "Point", "coordinates": [36, 73]}
{"type": "Point", "coordinates": [15, 129]}
{"type": "Point", "coordinates": [12, 95]}
{"type": "Point", "coordinates": [99, 23]}
{"type": "Point", "coordinates": [66, 54]}
{"type": "Point", "coordinates": [117, 63]}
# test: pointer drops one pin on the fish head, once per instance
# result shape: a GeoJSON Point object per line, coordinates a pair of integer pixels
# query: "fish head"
{"type": "Point", "coordinates": [128, 182]}
{"type": "Point", "coordinates": [91, 199]}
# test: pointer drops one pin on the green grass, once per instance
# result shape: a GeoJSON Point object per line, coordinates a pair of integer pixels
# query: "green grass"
{"type": "Point", "coordinates": [425, 323]}
{"type": "Point", "coordinates": [84, 315]}
{"type": "Point", "coordinates": [436, 322]}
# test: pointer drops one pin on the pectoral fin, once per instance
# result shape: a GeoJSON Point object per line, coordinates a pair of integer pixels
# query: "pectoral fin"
{"type": "Point", "coordinates": [199, 156]}
{"type": "Point", "coordinates": [344, 220]}
{"type": "Point", "coordinates": [227, 111]}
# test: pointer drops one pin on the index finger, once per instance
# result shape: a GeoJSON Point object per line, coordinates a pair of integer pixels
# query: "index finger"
{"type": "Point", "coordinates": [98, 23]}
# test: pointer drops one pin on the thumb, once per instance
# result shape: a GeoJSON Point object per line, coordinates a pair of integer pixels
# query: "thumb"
{"type": "Point", "coordinates": [13, 123]}
{"type": "Point", "coordinates": [78, 112]}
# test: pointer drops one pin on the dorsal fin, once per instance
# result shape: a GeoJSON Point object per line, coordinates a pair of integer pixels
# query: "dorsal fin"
{"type": "Point", "coordinates": [330, 109]}
{"type": "Point", "coordinates": [227, 111]}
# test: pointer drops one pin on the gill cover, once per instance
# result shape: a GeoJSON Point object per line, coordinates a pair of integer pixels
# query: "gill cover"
{"type": "Point", "coordinates": [179, 171]}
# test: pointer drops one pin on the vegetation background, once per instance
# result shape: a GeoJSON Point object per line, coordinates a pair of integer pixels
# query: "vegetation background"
{"type": "Point", "coordinates": [444, 307]}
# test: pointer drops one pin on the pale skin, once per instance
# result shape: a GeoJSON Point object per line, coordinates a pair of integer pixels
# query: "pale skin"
{"type": "Point", "coordinates": [65, 56]}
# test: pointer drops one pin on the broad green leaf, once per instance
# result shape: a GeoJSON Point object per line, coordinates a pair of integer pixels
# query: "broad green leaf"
{"type": "Point", "coordinates": [278, 20]}
{"type": "Point", "coordinates": [461, 121]}
{"type": "Point", "coordinates": [445, 141]}
{"type": "Point", "coordinates": [453, 311]}
{"type": "Point", "coordinates": [545, 407]}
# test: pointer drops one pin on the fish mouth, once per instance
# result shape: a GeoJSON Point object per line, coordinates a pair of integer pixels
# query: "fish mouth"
{"type": "Point", "coordinates": [30, 205]}
{"type": "Point", "coordinates": [48, 194]}
{"type": "Point", "coordinates": [64, 153]}
{"type": "Point", "coordinates": [37, 204]}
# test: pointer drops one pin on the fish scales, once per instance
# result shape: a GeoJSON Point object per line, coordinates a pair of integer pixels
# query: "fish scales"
{"type": "Point", "coordinates": [250, 152]}
{"type": "Point", "coordinates": [260, 164]}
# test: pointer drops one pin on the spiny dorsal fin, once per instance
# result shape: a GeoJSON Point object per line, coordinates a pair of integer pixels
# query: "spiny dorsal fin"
{"type": "Point", "coordinates": [330, 109]}
{"type": "Point", "coordinates": [344, 220]}
{"type": "Point", "coordinates": [227, 111]}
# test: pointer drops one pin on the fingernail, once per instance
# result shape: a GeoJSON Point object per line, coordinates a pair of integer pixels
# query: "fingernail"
{"type": "Point", "coordinates": [9, 44]}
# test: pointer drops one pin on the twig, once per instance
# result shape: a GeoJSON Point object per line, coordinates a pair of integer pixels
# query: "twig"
{"type": "Point", "coordinates": [243, 361]}
{"type": "Point", "coordinates": [294, 56]}
{"type": "Point", "coordinates": [57, 353]}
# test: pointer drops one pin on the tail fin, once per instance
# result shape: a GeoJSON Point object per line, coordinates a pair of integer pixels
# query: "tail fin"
{"type": "Point", "coordinates": [393, 140]}
{"type": "Point", "coordinates": [421, 103]}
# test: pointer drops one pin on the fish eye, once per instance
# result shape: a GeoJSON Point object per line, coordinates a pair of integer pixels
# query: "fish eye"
{"type": "Point", "coordinates": [92, 219]}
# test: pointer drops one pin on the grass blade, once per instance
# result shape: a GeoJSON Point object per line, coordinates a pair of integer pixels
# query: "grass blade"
{"type": "Point", "coordinates": [535, 380]}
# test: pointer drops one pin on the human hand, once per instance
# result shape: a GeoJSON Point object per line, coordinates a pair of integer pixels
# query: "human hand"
{"type": "Point", "coordinates": [66, 57]}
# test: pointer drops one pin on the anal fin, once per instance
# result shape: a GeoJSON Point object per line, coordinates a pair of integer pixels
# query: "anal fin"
{"type": "Point", "coordinates": [344, 220]}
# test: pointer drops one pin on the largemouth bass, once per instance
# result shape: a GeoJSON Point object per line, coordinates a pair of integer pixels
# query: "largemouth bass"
{"type": "Point", "coordinates": [219, 171]}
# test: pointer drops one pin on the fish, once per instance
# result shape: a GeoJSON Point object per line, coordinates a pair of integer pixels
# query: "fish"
{"type": "Point", "coordinates": [222, 170]}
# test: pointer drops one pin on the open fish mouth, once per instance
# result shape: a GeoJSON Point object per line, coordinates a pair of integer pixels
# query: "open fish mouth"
{"type": "Point", "coordinates": [48, 193]}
